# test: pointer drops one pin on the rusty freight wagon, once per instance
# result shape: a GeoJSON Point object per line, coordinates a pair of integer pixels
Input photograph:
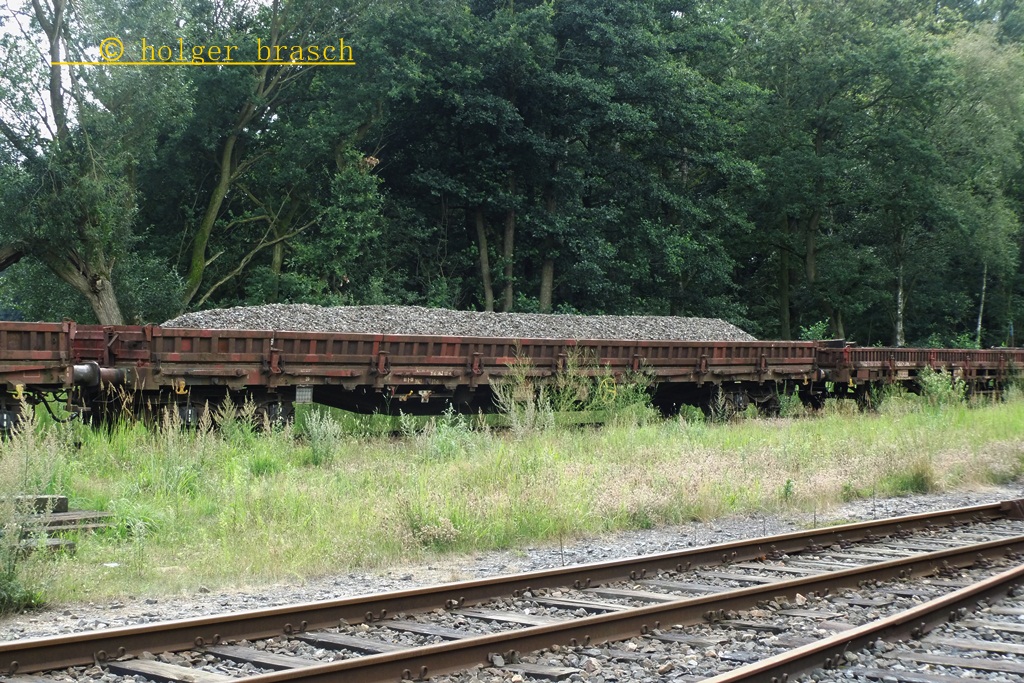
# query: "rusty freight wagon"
{"type": "Point", "coordinates": [104, 372]}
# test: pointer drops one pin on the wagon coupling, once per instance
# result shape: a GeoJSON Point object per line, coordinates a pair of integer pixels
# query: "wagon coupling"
{"type": "Point", "coordinates": [90, 374]}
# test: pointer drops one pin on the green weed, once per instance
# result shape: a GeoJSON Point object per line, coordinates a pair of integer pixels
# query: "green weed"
{"type": "Point", "coordinates": [323, 434]}
{"type": "Point", "coordinates": [940, 388]}
{"type": "Point", "coordinates": [790, 405]}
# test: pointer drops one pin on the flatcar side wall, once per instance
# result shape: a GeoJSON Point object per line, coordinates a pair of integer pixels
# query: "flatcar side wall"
{"type": "Point", "coordinates": [978, 367]}
{"type": "Point", "coordinates": [35, 355]}
{"type": "Point", "coordinates": [179, 359]}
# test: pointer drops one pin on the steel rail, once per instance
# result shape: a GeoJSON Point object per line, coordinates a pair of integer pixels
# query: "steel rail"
{"type": "Point", "coordinates": [912, 623]}
{"type": "Point", "coordinates": [433, 660]}
{"type": "Point", "coordinates": [40, 654]}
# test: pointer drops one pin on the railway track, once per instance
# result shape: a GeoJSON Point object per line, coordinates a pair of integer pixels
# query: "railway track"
{"type": "Point", "coordinates": [697, 612]}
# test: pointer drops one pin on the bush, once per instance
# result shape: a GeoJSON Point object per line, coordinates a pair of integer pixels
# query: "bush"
{"type": "Point", "coordinates": [815, 331]}
{"type": "Point", "coordinates": [790, 405]}
{"type": "Point", "coordinates": [323, 434]}
{"type": "Point", "coordinates": [940, 388]}
{"type": "Point", "coordinates": [691, 414]}
{"type": "Point", "coordinates": [446, 437]}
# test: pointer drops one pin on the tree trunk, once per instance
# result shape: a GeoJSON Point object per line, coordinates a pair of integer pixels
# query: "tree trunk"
{"type": "Point", "coordinates": [485, 260]}
{"type": "Point", "coordinates": [92, 283]}
{"type": "Point", "coordinates": [547, 284]}
{"type": "Point", "coordinates": [276, 265]}
{"type": "Point", "coordinates": [508, 251]}
{"type": "Point", "coordinates": [9, 256]}
{"type": "Point", "coordinates": [981, 305]}
{"type": "Point", "coordinates": [785, 329]}
{"type": "Point", "coordinates": [198, 264]}
{"type": "Point", "coordinates": [837, 324]}
{"type": "Point", "coordinates": [547, 270]}
{"type": "Point", "coordinates": [811, 247]}
{"type": "Point", "coordinates": [901, 304]}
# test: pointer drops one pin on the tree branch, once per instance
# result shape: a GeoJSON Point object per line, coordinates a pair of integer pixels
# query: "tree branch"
{"type": "Point", "coordinates": [249, 257]}
{"type": "Point", "coordinates": [9, 256]}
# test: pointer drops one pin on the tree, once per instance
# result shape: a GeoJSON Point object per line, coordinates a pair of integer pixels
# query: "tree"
{"type": "Point", "coordinates": [66, 201]}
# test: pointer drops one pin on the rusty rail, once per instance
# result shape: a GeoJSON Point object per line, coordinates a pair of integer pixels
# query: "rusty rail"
{"type": "Point", "coordinates": [912, 623]}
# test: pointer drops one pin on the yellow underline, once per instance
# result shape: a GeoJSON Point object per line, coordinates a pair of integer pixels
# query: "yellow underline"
{"type": "Point", "coordinates": [202, 63]}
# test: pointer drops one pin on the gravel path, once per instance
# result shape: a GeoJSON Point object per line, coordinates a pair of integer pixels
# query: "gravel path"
{"type": "Point", "coordinates": [142, 609]}
{"type": "Point", "coordinates": [439, 321]}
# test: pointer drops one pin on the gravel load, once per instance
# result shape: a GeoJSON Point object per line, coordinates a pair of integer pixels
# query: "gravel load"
{"type": "Point", "coordinates": [440, 321]}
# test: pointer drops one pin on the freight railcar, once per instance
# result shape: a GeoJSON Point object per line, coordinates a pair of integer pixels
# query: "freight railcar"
{"type": "Point", "coordinates": [106, 372]}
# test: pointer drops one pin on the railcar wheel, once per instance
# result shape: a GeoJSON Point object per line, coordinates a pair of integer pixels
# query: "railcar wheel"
{"type": "Point", "coordinates": [274, 414]}
{"type": "Point", "coordinates": [723, 404]}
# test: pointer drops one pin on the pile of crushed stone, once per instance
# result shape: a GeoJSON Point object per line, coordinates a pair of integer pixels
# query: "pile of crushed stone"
{"type": "Point", "coordinates": [439, 321]}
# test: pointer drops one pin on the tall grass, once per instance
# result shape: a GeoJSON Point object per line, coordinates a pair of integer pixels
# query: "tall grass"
{"type": "Point", "coordinates": [28, 459]}
{"type": "Point", "coordinates": [234, 505]}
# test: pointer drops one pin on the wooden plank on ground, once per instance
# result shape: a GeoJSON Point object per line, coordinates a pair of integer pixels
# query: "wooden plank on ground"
{"type": "Point", "coordinates": [1007, 611]}
{"type": "Point", "coordinates": [425, 629]}
{"type": "Point", "coordinates": [264, 660]}
{"type": "Point", "coordinates": [929, 547]}
{"type": "Point", "coordinates": [70, 519]}
{"type": "Point", "coordinates": [809, 613]}
{"type": "Point", "coordinates": [920, 592]}
{"type": "Point", "coordinates": [863, 558]}
{"type": "Point", "coordinates": [682, 586]}
{"type": "Point", "coordinates": [165, 673]}
{"type": "Point", "coordinates": [741, 578]}
{"type": "Point", "coordinates": [1003, 626]}
{"type": "Point", "coordinates": [865, 602]}
{"type": "Point", "coordinates": [887, 552]}
{"type": "Point", "coordinates": [823, 565]}
{"type": "Point", "coordinates": [974, 644]}
{"type": "Point", "coordinates": [567, 604]}
{"type": "Point", "coordinates": [791, 641]}
{"type": "Point", "coordinates": [555, 673]}
{"type": "Point", "coordinates": [780, 568]}
{"type": "Point", "coordinates": [901, 676]}
{"type": "Point", "coordinates": [692, 639]}
{"type": "Point", "coordinates": [615, 654]}
{"type": "Point", "coordinates": [338, 641]}
{"type": "Point", "coordinates": [643, 596]}
{"type": "Point", "coordinates": [978, 664]}
{"type": "Point", "coordinates": [506, 617]}
{"type": "Point", "coordinates": [743, 625]}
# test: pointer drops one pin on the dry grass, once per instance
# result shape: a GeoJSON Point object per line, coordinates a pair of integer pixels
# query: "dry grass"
{"type": "Point", "coordinates": [233, 507]}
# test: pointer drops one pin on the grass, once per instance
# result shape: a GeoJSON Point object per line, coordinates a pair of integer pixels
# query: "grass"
{"type": "Point", "coordinates": [234, 507]}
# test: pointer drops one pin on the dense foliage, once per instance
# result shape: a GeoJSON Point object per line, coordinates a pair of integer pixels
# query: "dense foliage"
{"type": "Point", "coordinates": [845, 168]}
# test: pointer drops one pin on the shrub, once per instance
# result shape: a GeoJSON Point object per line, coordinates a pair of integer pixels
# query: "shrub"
{"type": "Point", "coordinates": [323, 434]}
{"type": "Point", "coordinates": [940, 388]}
{"type": "Point", "coordinates": [790, 405]}
{"type": "Point", "coordinates": [691, 414]}
{"type": "Point", "coordinates": [815, 331]}
{"type": "Point", "coordinates": [446, 437]}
